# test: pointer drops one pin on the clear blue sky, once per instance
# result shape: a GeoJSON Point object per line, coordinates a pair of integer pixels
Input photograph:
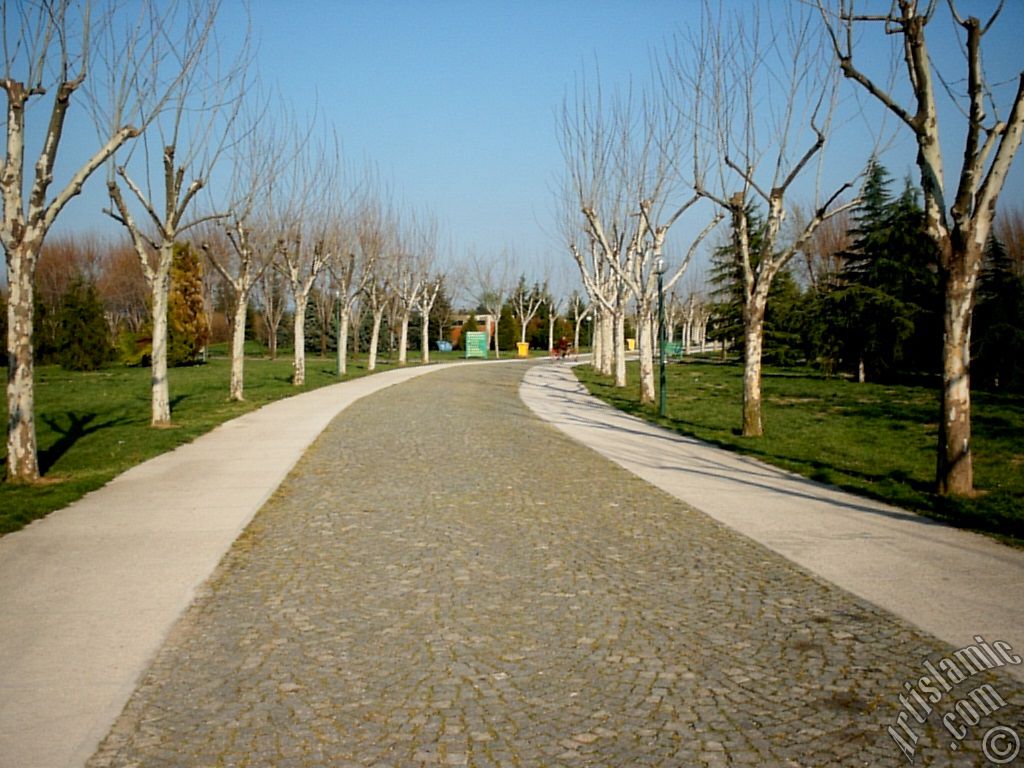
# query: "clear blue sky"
{"type": "Point", "coordinates": [456, 100]}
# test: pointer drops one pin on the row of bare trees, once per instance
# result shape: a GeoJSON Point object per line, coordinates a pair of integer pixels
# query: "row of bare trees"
{"type": "Point", "coordinates": [738, 119]}
{"type": "Point", "coordinates": [171, 105]}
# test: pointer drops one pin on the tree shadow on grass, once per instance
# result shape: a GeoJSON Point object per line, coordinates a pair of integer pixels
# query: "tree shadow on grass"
{"type": "Point", "coordinates": [78, 426]}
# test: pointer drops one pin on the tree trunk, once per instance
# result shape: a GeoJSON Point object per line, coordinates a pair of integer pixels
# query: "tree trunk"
{"type": "Point", "coordinates": [299, 335]}
{"type": "Point", "coordinates": [955, 471]}
{"type": "Point", "coordinates": [497, 350]}
{"type": "Point", "coordinates": [425, 339]}
{"type": "Point", "coordinates": [403, 339]}
{"type": "Point", "coordinates": [645, 342]}
{"type": "Point", "coordinates": [237, 385]}
{"type": "Point", "coordinates": [608, 344]}
{"type": "Point", "coordinates": [161, 288]}
{"type": "Point", "coordinates": [620, 347]}
{"type": "Point", "coordinates": [753, 344]}
{"type": "Point", "coordinates": [22, 462]}
{"type": "Point", "coordinates": [374, 338]}
{"type": "Point", "coordinates": [343, 341]}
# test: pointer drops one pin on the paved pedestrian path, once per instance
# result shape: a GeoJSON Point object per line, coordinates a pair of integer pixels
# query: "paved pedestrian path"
{"type": "Point", "coordinates": [952, 583]}
{"type": "Point", "coordinates": [444, 579]}
{"type": "Point", "coordinates": [88, 595]}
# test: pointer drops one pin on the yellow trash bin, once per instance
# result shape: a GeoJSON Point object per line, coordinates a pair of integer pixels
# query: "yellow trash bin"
{"type": "Point", "coordinates": [524, 348]}
{"type": "Point", "coordinates": [631, 343]}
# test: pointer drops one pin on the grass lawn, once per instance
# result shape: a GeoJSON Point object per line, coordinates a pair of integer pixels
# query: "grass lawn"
{"type": "Point", "coordinates": [91, 427]}
{"type": "Point", "coordinates": [871, 439]}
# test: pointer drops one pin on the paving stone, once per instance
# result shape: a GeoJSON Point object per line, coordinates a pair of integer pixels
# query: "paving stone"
{"type": "Point", "coordinates": [445, 580]}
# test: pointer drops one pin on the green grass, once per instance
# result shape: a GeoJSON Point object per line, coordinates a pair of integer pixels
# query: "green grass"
{"type": "Point", "coordinates": [91, 427]}
{"type": "Point", "coordinates": [874, 440]}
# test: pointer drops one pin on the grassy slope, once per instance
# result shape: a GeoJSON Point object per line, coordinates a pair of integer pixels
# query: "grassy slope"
{"type": "Point", "coordinates": [93, 426]}
{"type": "Point", "coordinates": [871, 439]}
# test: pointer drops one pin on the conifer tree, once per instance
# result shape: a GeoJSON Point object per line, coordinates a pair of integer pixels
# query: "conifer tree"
{"type": "Point", "coordinates": [83, 339]}
{"type": "Point", "coordinates": [881, 319]}
{"type": "Point", "coordinates": [189, 330]}
{"type": "Point", "coordinates": [998, 348]}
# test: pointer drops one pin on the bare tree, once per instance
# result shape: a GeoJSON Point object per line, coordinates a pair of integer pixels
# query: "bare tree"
{"type": "Point", "coordinates": [51, 50]}
{"type": "Point", "coordinates": [526, 302]}
{"type": "Point", "coordinates": [428, 298]}
{"type": "Point", "coordinates": [248, 246]}
{"type": "Point", "coordinates": [761, 102]}
{"type": "Point", "coordinates": [959, 225]}
{"type": "Point", "coordinates": [309, 195]}
{"type": "Point", "coordinates": [414, 275]}
{"type": "Point", "coordinates": [271, 293]}
{"type": "Point", "coordinates": [580, 312]}
{"type": "Point", "coordinates": [554, 308]}
{"type": "Point", "coordinates": [377, 234]}
{"type": "Point", "coordinates": [491, 285]}
{"type": "Point", "coordinates": [823, 252]}
{"type": "Point", "coordinates": [625, 177]}
{"type": "Point", "coordinates": [350, 272]}
{"type": "Point", "coordinates": [123, 290]}
{"type": "Point", "coordinates": [188, 142]}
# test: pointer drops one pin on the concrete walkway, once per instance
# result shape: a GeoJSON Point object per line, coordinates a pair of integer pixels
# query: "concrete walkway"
{"type": "Point", "coordinates": [89, 593]}
{"type": "Point", "coordinates": [953, 584]}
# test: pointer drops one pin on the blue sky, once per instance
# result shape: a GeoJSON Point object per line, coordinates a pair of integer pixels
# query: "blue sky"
{"type": "Point", "coordinates": [456, 101]}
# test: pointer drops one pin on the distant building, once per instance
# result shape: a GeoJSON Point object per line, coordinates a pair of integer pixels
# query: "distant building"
{"type": "Point", "coordinates": [483, 323]}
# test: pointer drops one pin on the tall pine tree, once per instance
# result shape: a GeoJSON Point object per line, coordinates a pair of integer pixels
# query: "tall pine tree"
{"type": "Point", "coordinates": [881, 319]}
{"type": "Point", "coordinates": [998, 332]}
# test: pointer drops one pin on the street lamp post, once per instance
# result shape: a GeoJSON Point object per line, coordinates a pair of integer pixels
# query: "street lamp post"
{"type": "Point", "coordinates": [337, 332]}
{"type": "Point", "coordinates": [659, 267]}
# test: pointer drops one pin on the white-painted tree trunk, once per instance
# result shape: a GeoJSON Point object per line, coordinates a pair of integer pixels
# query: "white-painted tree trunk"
{"type": "Point", "coordinates": [160, 289]}
{"type": "Point", "coordinates": [236, 388]}
{"type": "Point", "coordinates": [299, 335]}
{"type": "Point", "coordinates": [378, 316]}
{"type": "Point", "coordinates": [646, 346]}
{"type": "Point", "coordinates": [608, 345]}
{"type": "Point", "coordinates": [403, 338]}
{"type": "Point", "coordinates": [343, 341]}
{"type": "Point", "coordinates": [753, 338]}
{"type": "Point", "coordinates": [620, 348]}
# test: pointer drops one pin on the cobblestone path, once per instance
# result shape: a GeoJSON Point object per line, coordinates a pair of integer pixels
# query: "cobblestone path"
{"type": "Point", "coordinates": [444, 580]}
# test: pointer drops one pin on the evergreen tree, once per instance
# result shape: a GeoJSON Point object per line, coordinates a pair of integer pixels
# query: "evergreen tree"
{"type": "Point", "coordinates": [83, 338]}
{"type": "Point", "coordinates": [782, 320]}
{"type": "Point", "coordinates": [188, 328]}
{"type": "Point", "coordinates": [45, 327]}
{"type": "Point", "coordinates": [998, 332]}
{"type": "Point", "coordinates": [316, 335]}
{"type": "Point", "coordinates": [881, 320]}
